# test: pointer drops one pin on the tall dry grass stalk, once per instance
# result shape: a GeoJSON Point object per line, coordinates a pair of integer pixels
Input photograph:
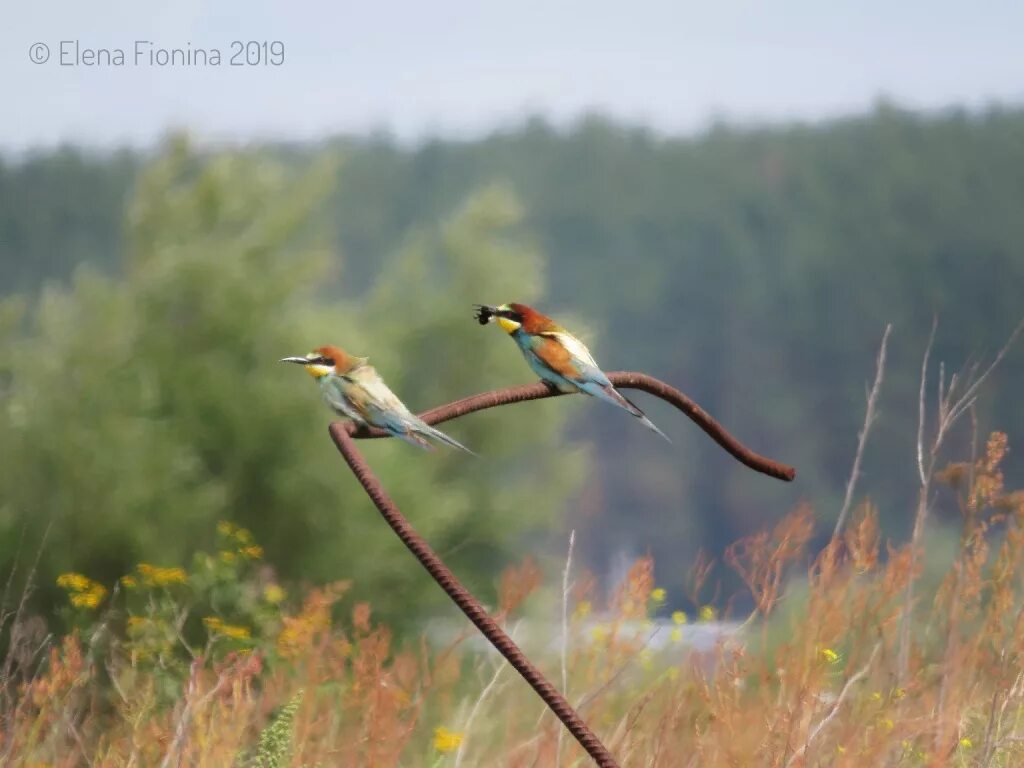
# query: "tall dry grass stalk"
{"type": "Point", "coordinates": [953, 401]}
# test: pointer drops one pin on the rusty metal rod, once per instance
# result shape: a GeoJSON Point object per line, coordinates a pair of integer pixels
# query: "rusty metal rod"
{"type": "Point", "coordinates": [467, 603]}
{"type": "Point", "coordinates": [343, 434]}
{"type": "Point", "coordinates": [623, 380]}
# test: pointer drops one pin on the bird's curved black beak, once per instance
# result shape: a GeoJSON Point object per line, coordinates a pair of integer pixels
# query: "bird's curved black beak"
{"type": "Point", "coordinates": [484, 313]}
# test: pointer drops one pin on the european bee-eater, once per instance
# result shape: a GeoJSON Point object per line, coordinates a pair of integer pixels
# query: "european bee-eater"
{"type": "Point", "coordinates": [557, 356]}
{"type": "Point", "coordinates": [353, 388]}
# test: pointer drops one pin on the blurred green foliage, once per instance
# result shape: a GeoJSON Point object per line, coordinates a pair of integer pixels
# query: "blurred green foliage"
{"type": "Point", "coordinates": [138, 409]}
{"type": "Point", "coordinates": [59, 209]}
{"type": "Point", "coordinates": [755, 268]}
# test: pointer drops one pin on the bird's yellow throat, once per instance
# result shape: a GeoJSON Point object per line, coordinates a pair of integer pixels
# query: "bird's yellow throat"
{"type": "Point", "coordinates": [317, 371]}
{"type": "Point", "coordinates": [509, 326]}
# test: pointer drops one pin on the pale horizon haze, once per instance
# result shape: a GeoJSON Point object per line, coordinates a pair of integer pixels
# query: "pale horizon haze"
{"type": "Point", "coordinates": [462, 69]}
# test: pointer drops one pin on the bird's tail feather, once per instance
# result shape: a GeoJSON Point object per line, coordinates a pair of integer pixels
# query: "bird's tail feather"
{"type": "Point", "coordinates": [654, 428]}
{"type": "Point", "coordinates": [441, 437]}
{"type": "Point", "coordinates": [610, 394]}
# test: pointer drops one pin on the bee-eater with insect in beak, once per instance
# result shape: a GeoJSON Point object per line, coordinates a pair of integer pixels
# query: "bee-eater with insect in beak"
{"type": "Point", "coordinates": [557, 356]}
{"type": "Point", "coordinates": [353, 389]}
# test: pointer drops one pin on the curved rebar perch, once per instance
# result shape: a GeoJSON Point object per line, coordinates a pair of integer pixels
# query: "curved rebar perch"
{"type": "Point", "coordinates": [343, 434]}
{"type": "Point", "coordinates": [622, 380]}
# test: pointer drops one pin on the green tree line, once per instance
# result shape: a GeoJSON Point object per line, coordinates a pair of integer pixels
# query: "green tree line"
{"type": "Point", "coordinates": [754, 267]}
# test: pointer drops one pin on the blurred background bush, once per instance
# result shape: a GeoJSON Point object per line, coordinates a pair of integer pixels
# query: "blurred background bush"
{"type": "Point", "coordinates": [149, 295]}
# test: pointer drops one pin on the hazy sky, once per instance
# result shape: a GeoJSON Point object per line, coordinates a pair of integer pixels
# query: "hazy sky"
{"type": "Point", "coordinates": [461, 68]}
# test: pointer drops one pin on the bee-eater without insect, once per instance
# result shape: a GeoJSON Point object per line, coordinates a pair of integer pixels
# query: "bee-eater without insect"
{"type": "Point", "coordinates": [353, 389]}
{"type": "Point", "coordinates": [557, 356]}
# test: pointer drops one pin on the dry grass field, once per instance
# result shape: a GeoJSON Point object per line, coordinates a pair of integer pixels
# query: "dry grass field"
{"type": "Point", "coordinates": [215, 665]}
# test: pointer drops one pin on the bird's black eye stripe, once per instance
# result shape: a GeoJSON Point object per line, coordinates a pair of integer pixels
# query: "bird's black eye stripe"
{"type": "Point", "coordinates": [484, 314]}
{"type": "Point", "coordinates": [321, 360]}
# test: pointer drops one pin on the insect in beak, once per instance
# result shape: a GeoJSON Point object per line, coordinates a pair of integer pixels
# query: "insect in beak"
{"type": "Point", "coordinates": [485, 314]}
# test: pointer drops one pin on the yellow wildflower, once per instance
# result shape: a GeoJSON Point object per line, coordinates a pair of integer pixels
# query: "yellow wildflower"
{"type": "Point", "coordinates": [83, 600]}
{"type": "Point", "coordinates": [829, 655]}
{"type": "Point", "coordinates": [679, 617]}
{"type": "Point", "coordinates": [85, 593]}
{"type": "Point", "coordinates": [254, 552]}
{"type": "Point", "coordinates": [966, 743]}
{"type": "Point", "coordinates": [582, 610]}
{"type": "Point", "coordinates": [273, 594]}
{"type": "Point", "coordinates": [224, 528]}
{"type": "Point", "coordinates": [164, 576]}
{"type": "Point", "coordinates": [155, 576]}
{"type": "Point", "coordinates": [129, 582]}
{"type": "Point", "coordinates": [887, 723]}
{"type": "Point", "coordinates": [74, 582]}
{"type": "Point", "coordinates": [91, 598]}
{"type": "Point", "coordinates": [227, 557]}
{"type": "Point", "coordinates": [235, 632]}
{"type": "Point", "coordinates": [445, 740]}
{"type": "Point", "coordinates": [243, 536]}
{"type": "Point", "coordinates": [658, 595]}
{"type": "Point", "coordinates": [707, 613]}
{"type": "Point", "coordinates": [677, 634]}
{"type": "Point", "coordinates": [290, 639]}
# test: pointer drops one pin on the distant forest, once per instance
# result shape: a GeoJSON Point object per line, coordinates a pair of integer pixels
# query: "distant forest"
{"type": "Point", "coordinates": [755, 268]}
